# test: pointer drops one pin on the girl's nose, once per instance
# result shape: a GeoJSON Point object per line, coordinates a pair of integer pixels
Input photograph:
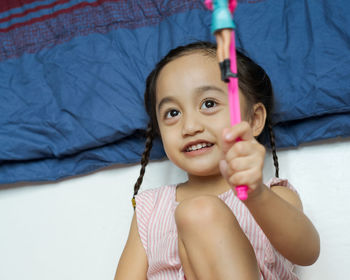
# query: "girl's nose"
{"type": "Point", "coordinates": [191, 126]}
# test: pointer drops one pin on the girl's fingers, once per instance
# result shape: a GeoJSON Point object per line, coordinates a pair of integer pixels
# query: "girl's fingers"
{"type": "Point", "coordinates": [244, 149]}
{"type": "Point", "coordinates": [243, 163]}
{"type": "Point", "coordinates": [243, 160]}
{"type": "Point", "coordinates": [230, 135]}
{"type": "Point", "coordinates": [250, 177]}
{"type": "Point", "coordinates": [241, 131]}
{"type": "Point", "coordinates": [239, 149]}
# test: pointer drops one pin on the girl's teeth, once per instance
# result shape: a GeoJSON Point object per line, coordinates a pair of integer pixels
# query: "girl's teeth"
{"type": "Point", "coordinates": [198, 146]}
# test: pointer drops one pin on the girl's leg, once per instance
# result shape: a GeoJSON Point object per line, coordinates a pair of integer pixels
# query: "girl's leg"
{"type": "Point", "coordinates": [212, 244]}
{"type": "Point", "coordinates": [187, 267]}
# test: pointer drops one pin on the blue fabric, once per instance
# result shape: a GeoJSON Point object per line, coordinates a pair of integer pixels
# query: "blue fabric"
{"type": "Point", "coordinates": [305, 48]}
{"type": "Point", "coordinates": [72, 75]}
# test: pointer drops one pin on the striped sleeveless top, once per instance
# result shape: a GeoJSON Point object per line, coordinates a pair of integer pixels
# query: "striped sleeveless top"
{"type": "Point", "coordinates": [155, 210]}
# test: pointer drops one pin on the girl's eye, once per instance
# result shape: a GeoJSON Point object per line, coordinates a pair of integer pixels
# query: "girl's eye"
{"type": "Point", "coordinates": [171, 114]}
{"type": "Point", "coordinates": [208, 104]}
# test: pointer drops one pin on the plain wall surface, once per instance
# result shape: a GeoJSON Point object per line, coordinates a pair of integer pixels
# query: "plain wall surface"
{"type": "Point", "coordinates": [77, 228]}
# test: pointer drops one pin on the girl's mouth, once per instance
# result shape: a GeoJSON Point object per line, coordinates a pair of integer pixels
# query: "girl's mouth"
{"type": "Point", "coordinates": [197, 147]}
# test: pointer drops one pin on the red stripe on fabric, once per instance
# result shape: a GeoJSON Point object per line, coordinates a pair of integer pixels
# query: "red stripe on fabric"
{"type": "Point", "coordinates": [34, 10]}
{"type": "Point", "coordinates": [46, 17]}
{"type": "Point", "coordinates": [10, 4]}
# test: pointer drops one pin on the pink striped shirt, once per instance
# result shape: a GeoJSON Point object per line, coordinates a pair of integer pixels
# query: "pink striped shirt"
{"type": "Point", "coordinates": [156, 225]}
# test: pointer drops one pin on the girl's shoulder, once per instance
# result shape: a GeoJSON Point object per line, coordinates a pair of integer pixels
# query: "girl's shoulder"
{"type": "Point", "coordinates": [273, 182]}
{"type": "Point", "coordinates": [149, 204]}
{"type": "Point", "coordinates": [151, 197]}
{"type": "Point", "coordinates": [284, 189]}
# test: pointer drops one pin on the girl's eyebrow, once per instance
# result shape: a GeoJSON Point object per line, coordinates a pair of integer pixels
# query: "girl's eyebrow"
{"type": "Point", "coordinates": [200, 90]}
{"type": "Point", "coordinates": [203, 89]}
{"type": "Point", "coordinates": [167, 99]}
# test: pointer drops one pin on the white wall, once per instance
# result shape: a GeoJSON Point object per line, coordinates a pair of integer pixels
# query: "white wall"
{"type": "Point", "coordinates": [76, 228]}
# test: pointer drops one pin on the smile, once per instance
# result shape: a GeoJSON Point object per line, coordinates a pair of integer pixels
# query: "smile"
{"type": "Point", "coordinates": [198, 147]}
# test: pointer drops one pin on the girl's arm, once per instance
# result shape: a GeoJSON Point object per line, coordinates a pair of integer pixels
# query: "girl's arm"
{"type": "Point", "coordinates": [133, 261]}
{"type": "Point", "coordinates": [278, 211]}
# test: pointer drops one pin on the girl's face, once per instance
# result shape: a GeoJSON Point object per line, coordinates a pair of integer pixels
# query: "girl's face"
{"type": "Point", "coordinates": [192, 111]}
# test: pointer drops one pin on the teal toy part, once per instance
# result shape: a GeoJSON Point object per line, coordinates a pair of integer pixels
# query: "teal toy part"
{"type": "Point", "coordinates": [222, 17]}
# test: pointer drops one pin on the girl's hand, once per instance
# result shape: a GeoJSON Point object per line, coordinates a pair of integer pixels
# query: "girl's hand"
{"type": "Point", "coordinates": [243, 160]}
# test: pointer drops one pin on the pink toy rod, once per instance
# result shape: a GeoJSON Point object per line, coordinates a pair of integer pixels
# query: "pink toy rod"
{"type": "Point", "coordinates": [233, 99]}
{"type": "Point", "coordinates": [233, 95]}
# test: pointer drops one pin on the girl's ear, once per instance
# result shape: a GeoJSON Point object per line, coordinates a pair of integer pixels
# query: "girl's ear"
{"type": "Point", "coordinates": [258, 119]}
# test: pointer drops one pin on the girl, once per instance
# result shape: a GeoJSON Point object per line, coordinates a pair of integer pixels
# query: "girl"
{"type": "Point", "coordinates": [199, 229]}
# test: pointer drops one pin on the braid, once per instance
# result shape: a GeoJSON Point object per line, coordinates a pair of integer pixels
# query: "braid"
{"type": "Point", "coordinates": [144, 161]}
{"type": "Point", "coordinates": [273, 147]}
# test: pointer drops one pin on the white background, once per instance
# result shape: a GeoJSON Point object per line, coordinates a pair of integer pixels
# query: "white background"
{"type": "Point", "coordinates": [77, 228]}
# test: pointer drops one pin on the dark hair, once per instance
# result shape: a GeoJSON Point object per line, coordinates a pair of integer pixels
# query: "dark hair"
{"type": "Point", "coordinates": [253, 82]}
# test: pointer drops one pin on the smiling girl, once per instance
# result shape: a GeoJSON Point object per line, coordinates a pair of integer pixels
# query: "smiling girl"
{"type": "Point", "coordinates": [199, 229]}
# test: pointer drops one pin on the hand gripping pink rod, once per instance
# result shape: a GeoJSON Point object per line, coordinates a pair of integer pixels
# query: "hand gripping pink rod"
{"type": "Point", "coordinates": [233, 99]}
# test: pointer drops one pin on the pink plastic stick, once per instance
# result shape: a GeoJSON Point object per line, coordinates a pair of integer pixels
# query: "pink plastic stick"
{"type": "Point", "coordinates": [233, 99]}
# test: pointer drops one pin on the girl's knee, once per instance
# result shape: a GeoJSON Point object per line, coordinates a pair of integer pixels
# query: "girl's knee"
{"type": "Point", "coordinates": [201, 211]}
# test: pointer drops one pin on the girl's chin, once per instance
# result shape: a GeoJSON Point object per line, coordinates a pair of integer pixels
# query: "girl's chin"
{"type": "Point", "coordinates": [203, 172]}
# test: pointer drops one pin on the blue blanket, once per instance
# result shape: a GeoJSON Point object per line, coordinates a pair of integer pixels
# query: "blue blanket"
{"type": "Point", "coordinates": [72, 75]}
